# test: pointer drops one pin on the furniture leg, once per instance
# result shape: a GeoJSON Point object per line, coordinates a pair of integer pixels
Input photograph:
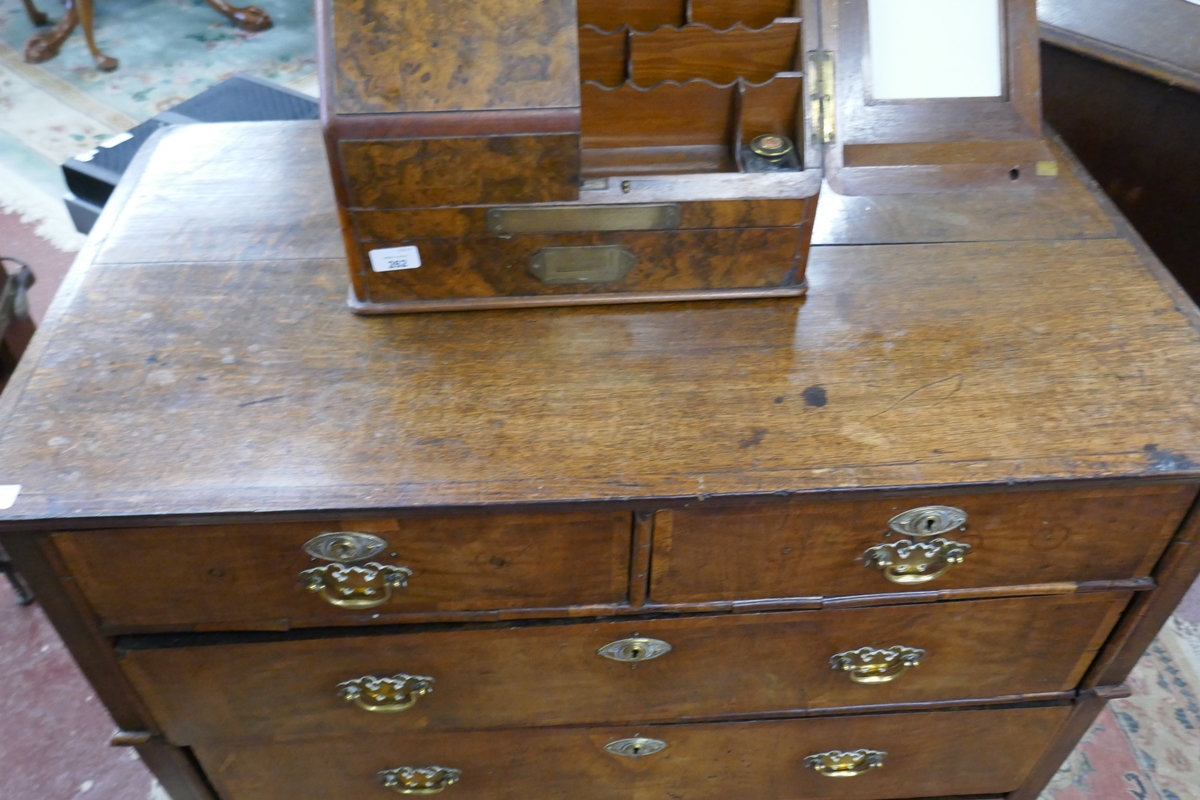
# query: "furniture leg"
{"type": "Point", "coordinates": [86, 16]}
{"type": "Point", "coordinates": [248, 18]}
{"type": "Point", "coordinates": [45, 45]}
{"type": "Point", "coordinates": [38, 18]}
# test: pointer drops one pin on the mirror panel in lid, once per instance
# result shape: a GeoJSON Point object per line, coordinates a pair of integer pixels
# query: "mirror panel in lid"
{"type": "Point", "coordinates": [929, 95]}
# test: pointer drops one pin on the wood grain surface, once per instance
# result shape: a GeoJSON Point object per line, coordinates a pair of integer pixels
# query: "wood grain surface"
{"type": "Point", "coordinates": [1159, 38]}
{"type": "Point", "coordinates": [471, 221]}
{"type": "Point", "coordinates": [252, 572]}
{"type": "Point", "coordinates": [602, 55]}
{"type": "Point", "coordinates": [405, 173]}
{"type": "Point", "coordinates": [443, 55]}
{"type": "Point", "coordinates": [908, 365]}
{"type": "Point", "coordinates": [552, 675]}
{"type": "Point", "coordinates": [721, 14]}
{"type": "Point", "coordinates": [640, 15]}
{"type": "Point", "coordinates": [665, 261]}
{"type": "Point", "coordinates": [698, 51]}
{"type": "Point", "coordinates": [709, 553]}
{"type": "Point", "coordinates": [929, 755]}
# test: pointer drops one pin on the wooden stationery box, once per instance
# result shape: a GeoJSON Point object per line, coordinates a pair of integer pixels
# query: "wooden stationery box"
{"type": "Point", "coordinates": [555, 152]}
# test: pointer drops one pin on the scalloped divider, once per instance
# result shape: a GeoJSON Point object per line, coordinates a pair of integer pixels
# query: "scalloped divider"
{"type": "Point", "coordinates": [698, 51]}
{"type": "Point", "coordinates": [721, 14]}
{"type": "Point", "coordinates": [670, 128]}
{"type": "Point", "coordinates": [640, 15]}
{"type": "Point", "coordinates": [603, 56]}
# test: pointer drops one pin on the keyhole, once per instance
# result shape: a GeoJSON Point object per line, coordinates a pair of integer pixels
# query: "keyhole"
{"type": "Point", "coordinates": [637, 748]}
{"type": "Point", "coordinates": [930, 522]}
{"type": "Point", "coordinates": [635, 652]}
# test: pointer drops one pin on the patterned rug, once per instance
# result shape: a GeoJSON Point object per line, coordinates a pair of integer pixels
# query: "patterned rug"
{"type": "Point", "coordinates": [1146, 746]}
{"type": "Point", "coordinates": [169, 50]}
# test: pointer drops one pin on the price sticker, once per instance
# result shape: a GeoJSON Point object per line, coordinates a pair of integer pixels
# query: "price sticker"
{"type": "Point", "coordinates": [8, 495]}
{"type": "Point", "coordinates": [389, 259]}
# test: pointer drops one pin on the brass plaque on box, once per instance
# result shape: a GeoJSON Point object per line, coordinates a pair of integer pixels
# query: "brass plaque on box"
{"type": "Point", "coordinates": [583, 219]}
{"type": "Point", "coordinates": [594, 264]}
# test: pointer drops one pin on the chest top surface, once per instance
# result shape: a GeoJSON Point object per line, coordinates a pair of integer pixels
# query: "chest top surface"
{"type": "Point", "coordinates": [1159, 37]}
{"type": "Point", "coordinates": [201, 359]}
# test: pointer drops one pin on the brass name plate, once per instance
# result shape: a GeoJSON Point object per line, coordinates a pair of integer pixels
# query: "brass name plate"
{"type": "Point", "coordinates": [584, 219]}
{"type": "Point", "coordinates": [602, 263]}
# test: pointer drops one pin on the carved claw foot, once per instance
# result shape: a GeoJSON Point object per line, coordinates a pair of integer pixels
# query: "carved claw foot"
{"type": "Point", "coordinates": [36, 17]}
{"type": "Point", "coordinates": [45, 45]}
{"type": "Point", "coordinates": [249, 18]}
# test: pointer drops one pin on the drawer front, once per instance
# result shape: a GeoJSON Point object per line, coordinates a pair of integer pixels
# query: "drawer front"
{"type": "Point", "coordinates": [555, 674]}
{"type": "Point", "coordinates": [250, 575]}
{"type": "Point", "coordinates": [931, 754]}
{"type": "Point", "coordinates": [713, 554]}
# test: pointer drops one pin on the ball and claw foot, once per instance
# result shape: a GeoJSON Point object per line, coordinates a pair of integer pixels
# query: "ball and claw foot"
{"type": "Point", "coordinates": [248, 18]}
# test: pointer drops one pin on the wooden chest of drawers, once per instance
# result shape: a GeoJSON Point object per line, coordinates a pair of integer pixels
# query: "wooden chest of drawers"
{"type": "Point", "coordinates": [910, 532]}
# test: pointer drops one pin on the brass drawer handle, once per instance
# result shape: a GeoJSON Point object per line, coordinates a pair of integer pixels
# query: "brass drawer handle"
{"type": "Point", "coordinates": [636, 747]}
{"type": "Point", "coordinates": [906, 561]}
{"type": "Point", "coordinates": [634, 649]}
{"type": "Point", "coordinates": [872, 665]}
{"type": "Point", "coordinates": [419, 780]}
{"type": "Point", "coordinates": [928, 521]}
{"type": "Point", "coordinates": [836, 764]}
{"type": "Point", "coordinates": [396, 693]}
{"type": "Point", "coordinates": [356, 587]}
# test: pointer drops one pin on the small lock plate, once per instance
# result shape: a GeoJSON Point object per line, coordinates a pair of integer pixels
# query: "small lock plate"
{"type": "Point", "coordinates": [556, 266]}
{"type": "Point", "coordinates": [928, 521]}
{"type": "Point", "coordinates": [344, 547]}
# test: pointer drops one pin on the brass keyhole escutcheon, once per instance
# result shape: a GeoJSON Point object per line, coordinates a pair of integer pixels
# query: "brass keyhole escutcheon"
{"type": "Point", "coordinates": [927, 521]}
{"type": "Point", "coordinates": [634, 649]}
{"type": "Point", "coordinates": [636, 747]}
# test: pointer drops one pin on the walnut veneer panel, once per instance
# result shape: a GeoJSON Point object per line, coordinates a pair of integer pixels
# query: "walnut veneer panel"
{"type": "Point", "coordinates": [552, 675]}
{"type": "Point", "coordinates": [186, 577]}
{"type": "Point", "coordinates": [816, 549]}
{"type": "Point", "coordinates": [469, 169]}
{"type": "Point", "coordinates": [451, 55]}
{"type": "Point", "coordinates": [929, 755]}
{"type": "Point", "coordinates": [665, 261]}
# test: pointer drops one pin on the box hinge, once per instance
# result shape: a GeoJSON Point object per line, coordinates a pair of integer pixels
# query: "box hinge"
{"type": "Point", "coordinates": [821, 96]}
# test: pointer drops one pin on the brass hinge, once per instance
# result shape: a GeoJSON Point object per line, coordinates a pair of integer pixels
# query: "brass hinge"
{"type": "Point", "coordinates": [821, 96]}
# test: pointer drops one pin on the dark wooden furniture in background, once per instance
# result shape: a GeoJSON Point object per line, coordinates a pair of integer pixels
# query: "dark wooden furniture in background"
{"type": "Point", "coordinates": [1122, 86]}
{"type": "Point", "coordinates": [563, 494]}
{"type": "Point", "coordinates": [45, 45]}
{"type": "Point", "coordinates": [16, 326]}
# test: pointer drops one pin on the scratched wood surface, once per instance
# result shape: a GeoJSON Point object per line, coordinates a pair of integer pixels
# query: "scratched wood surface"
{"type": "Point", "coordinates": [182, 372]}
{"type": "Point", "coordinates": [1159, 38]}
{"type": "Point", "coordinates": [719, 666]}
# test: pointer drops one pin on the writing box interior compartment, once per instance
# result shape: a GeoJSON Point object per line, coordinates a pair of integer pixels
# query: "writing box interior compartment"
{"type": "Point", "coordinates": [549, 153]}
